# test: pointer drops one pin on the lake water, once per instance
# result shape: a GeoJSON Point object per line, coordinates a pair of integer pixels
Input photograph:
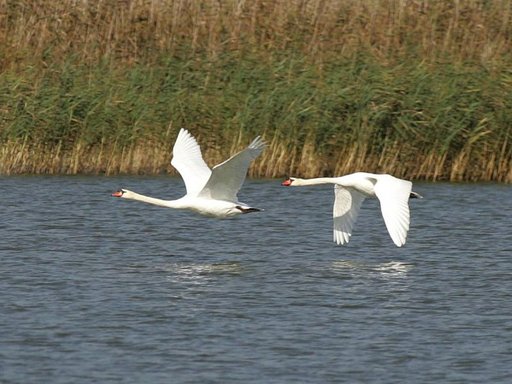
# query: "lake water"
{"type": "Point", "coordinates": [99, 289]}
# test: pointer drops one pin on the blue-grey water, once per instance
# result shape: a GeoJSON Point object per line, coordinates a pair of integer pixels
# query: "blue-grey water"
{"type": "Point", "coordinates": [95, 289]}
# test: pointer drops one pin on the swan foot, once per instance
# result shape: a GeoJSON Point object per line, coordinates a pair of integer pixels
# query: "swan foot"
{"type": "Point", "coordinates": [247, 210]}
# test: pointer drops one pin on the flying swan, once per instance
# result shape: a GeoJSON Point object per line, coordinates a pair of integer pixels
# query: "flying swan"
{"type": "Point", "coordinates": [209, 192]}
{"type": "Point", "coordinates": [350, 192]}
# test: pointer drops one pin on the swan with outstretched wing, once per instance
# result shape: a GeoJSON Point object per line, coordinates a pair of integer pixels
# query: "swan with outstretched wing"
{"type": "Point", "coordinates": [209, 192]}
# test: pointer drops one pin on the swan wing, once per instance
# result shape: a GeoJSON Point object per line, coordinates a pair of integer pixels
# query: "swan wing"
{"type": "Point", "coordinates": [393, 195]}
{"type": "Point", "coordinates": [188, 161]}
{"type": "Point", "coordinates": [228, 177]}
{"type": "Point", "coordinates": [347, 203]}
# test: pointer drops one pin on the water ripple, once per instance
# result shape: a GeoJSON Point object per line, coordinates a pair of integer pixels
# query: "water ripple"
{"type": "Point", "coordinates": [95, 289]}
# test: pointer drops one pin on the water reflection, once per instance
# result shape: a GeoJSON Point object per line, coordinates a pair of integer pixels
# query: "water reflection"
{"type": "Point", "coordinates": [99, 291]}
{"type": "Point", "coordinates": [196, 272]}
{"type": "Point", "coordinates": [391, 269]}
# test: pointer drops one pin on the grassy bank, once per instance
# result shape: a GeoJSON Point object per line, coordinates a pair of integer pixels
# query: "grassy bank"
{"type": "Point", "coordinates": [333, 86]}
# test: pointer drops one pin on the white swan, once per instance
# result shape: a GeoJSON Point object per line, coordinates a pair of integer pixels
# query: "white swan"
{"type": "Point", "coordinates": [209, 192]}
{"type": "Point", "coordinates": [350, 192]}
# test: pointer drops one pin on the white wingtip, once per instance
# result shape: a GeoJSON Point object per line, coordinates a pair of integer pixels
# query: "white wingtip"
{"type": "Point", "coordinates": [340, 237]}
{"type": "Point", "coordinates": [399, 242]}
{"type": "Point", "coordinates": [257, 143]}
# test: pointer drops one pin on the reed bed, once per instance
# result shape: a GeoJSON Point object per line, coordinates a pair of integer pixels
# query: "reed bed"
{"type": "Point", "coordinates": [420, 89]}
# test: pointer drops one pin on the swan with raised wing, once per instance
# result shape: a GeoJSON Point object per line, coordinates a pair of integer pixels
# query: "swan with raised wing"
{"type": "Point", "coordinates": [210, 192]}
{"type": "Point", "coordinates": [350, 192]}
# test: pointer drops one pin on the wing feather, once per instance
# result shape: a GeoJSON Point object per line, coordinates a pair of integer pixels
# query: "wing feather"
{"type": "Point", "coordinates": [188, 161]}
{"type": "Point", "coordinates": [393, 194]}
{"type": "Point", "coordinates": [347, 203]}
{"type": "Point", "coordinates": [228, 177]}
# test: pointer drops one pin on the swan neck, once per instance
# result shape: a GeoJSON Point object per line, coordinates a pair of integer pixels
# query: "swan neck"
{"type": "Point", "coordinates": [153, 200]}
{"type": "Point", "coordinates": [314, 181]}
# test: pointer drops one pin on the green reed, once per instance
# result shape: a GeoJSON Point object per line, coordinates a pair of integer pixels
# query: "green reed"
{"type": "Point", "coordinates": [333, 86]}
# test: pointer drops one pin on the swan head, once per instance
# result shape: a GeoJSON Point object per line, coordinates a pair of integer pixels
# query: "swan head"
{"type": "Point", "coordinates": [289, 182]}
{"type": "Point", "coordinates": [121, 193]}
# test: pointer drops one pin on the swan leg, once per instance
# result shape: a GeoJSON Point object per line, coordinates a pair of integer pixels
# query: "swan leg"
{"type": "Point", "coordinates": [247, 210]}
{"type": "Point", "coordinates": [415, 195]}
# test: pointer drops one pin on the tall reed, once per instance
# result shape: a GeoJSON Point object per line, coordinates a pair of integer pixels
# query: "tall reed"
{"type": "Point", "coordinates": [130, 31]}
{"type": "Point", "coordinates": [417, 88]}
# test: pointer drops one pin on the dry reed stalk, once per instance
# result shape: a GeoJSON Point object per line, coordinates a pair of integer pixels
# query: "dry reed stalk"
{"type": "Point", "coordinates": [504, 163]}
{"type": "Point", "coordinates": [310, 163]}
{"type": "Point", "coordinates": [276, 160]}
{"type": "Point", "coordinates": [439, 167]}
{"type": "Point", "coordinates": [148, 158]}
{"type": "Point", "coordinates": [136, 30]}
{"type": "Point", "coordinates": [459, 166]}
{"type": "Point", "coordinates": [431, 165]}
{"type": "Point", "coordinates": [426, 164]}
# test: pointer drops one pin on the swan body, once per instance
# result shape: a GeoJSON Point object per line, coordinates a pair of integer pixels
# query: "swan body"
{"type": "Point", "coordinates": [351, 190]}
{"type": "Point", "coordinates": [210, 192]}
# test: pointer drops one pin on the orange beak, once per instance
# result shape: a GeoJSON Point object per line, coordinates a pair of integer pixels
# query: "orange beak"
{"type": "Point", "coordinates": [117, 194]}
{"type": "Point", "coordinates": [286, 183]}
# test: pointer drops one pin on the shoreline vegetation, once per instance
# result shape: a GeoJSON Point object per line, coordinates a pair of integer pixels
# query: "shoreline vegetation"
{"type": "Point", "coordinates": [420, 89]}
